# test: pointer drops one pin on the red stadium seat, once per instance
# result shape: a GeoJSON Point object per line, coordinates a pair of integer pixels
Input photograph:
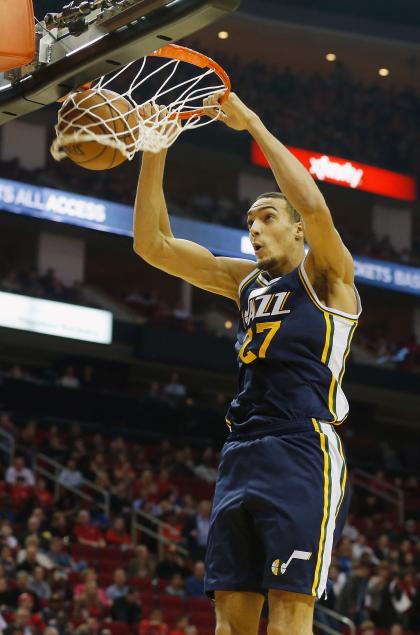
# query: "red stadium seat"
{"type": "Point", "coordinates": [161, 585]}
{"type": "Point", "coordinates": [74, 578]}
{"type": "Point", "coordinates": [171, 602]}
{"type": "Point", "coordinates": [142, 584]}
{"type": "Point", "coordinates": [203, 619]}
{"type": "Point", "coordinates": [84, 552]}
{"type": "Point", "coordinates": [198, 604]}
{"type": "Point", "coordinates": [117, 628]}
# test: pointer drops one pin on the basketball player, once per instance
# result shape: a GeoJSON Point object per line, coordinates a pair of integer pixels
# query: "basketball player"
{"type": "Point", "coordinates": [281, 496]}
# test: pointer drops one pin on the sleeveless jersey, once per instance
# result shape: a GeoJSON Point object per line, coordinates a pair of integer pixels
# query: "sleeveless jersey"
{"type": "Point", "coordinates": [292, 353]}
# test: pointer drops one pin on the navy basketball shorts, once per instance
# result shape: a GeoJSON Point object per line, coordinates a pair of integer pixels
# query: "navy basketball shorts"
{"type": "Point", "coordinates": [280, 505]}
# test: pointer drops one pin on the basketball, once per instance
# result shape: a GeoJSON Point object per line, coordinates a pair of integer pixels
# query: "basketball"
{"type": "Point", "coordinates": [101, 113]}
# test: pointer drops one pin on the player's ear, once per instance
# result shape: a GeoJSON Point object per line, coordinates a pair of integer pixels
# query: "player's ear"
{"type": "Point", "coordinates": [299, 234]}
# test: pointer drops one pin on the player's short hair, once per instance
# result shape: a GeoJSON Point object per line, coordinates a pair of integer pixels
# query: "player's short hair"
{"type": "Point", "coordinates": [295, 217]}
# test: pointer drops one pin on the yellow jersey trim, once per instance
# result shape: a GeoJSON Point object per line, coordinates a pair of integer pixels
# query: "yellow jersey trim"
{"type": "Point", "coordinates": [327, 497]}
{"type": "Point", "coordinates": [327, 338]}
{"type": "Point", "coordinates": [320, 307]}
{"type": "Point", "coordinates": [248, 279]}
{"type": "Point", "coordinates": [346, 354]}
{"type": "Point", "coordinates": [343, 480]}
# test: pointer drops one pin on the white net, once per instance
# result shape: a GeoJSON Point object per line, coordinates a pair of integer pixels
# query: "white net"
{"type": "Point", "coordinates": [178, 85]}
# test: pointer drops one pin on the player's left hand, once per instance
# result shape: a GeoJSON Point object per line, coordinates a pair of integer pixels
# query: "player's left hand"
{"type": "Point", "coordinates": [232, 112]}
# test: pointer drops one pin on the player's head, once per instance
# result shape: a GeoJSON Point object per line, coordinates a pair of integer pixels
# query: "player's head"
{"type": "Point", "coordinates": [275, 230]}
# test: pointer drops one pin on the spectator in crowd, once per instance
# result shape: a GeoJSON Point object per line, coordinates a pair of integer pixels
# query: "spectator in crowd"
{"type": "Point", "coordinates": [61, 559]}
{"type": "Point", "coordinates": [38, 584]}
{"type": "Point", "coordinates": [3, 624]}
{"type": "Point", "coordinates": [31, 557]}
{"type": "Point", "coordinates": [10, 282]}
{"type": "Point", "coordinates": [89, 575]}
{"type": "Point", "coordinates": [403, 592]}
{"type": "Point", "coordinates": [90, 626]}
{"type": "Point", "coordinates": [59, 527]}
{"type": "Point", "coordinates": [154, 624]}
{"type": "Point", "coordinates": [142, 565]}
{"type": "Point", "coordinates": [27, 601]}
{"type": "Point", "coordinates": [22, 623]}
{"type": "Point", "coordinates": [196, 530]}
{"type": "Point", "coordinates": [174, 391]}
{"type": "Point", "coordinates": [88, 378]}
{"type": "Point", "coordinates": [69, 378]}
{"type": "Point", "coordinates": [367, 628]}
{"type": "Point", "coordinates": [207, 468]}
{"type": "Point", "coordinates": [194, 584]}
{"type": "Point", "coordinates": [351, 601]}
{"type": "Point", "coordinates": [41, 493]}
{"type": "Point", "coordinates": [181, 464]}
{"type": "Point", "coordinates": [171, 563]}
{"type": "Point", "coordinates": [128, 608]}
{"type": "Point", "coordinates": [171, 529]}
{"type": "Point", "coordinates": [6, 535]}
{"type": "Point", "coordinates": [376, 591]}
{"type": "Point", "coordinates": [70, 476]}
{"type": "Point", "coordinates": [92, 600]}
{"type": "Point", "coordinates": [7, 561]}
{"type": "Point", "coordinates": [87, 533]}
{"type": "Point", "coordinates": [181, 625]}
{"type": "Point", "coordinates": [117, 534]}
{"type": "Point", "coordinates": [176, 586]}
{"type": "Point", "coordinates": [19, 473]}
{"type": "Point", "coordinates": [119, 588]}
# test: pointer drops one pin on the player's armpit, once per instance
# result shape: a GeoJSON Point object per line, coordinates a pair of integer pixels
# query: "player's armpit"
{"type": "Point", "coordinates": [197, 265]}
{"type": "Point", "coordinates": [328, 254]}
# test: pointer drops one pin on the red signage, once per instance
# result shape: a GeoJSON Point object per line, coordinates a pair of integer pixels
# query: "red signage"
{"type": "Point", "coordinates": [357, 176]}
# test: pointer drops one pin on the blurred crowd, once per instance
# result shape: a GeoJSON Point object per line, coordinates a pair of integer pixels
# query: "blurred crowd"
{"type": "Point", "coordinates": [50, 574]}
{"type": "Point", "coordinates": [46, 285]}
{"type": "Point", "coordinates": [69, 566]}
{"type": "Point", "coordinates": [336, 114]}
{"type": "Point", "coordinates": [386, 351]}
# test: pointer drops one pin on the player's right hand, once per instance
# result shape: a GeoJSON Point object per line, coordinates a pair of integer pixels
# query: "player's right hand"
{"type": "Point", "coordinates": [233, 112]}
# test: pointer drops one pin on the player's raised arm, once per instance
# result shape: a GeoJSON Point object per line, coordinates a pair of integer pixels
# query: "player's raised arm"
{"type": "Point", "coordinates": [327, 251]}
{"type": "Point", "coordinates": [154, 241]}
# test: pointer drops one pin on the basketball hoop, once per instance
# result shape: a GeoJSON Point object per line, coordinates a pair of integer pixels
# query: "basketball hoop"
{"type": "Point", "coordinates": [182, 91]}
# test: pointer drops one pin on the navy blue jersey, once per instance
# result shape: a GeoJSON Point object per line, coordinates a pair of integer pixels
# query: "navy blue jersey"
{"type": "Point", "coordinates": [292, 353]}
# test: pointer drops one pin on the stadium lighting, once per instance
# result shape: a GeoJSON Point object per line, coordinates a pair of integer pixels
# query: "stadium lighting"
{"type": "Point", "coordinates": [384, 72]}
{"type": "Point", "coordinates": [223, 35]}
{"type": "Point", "coordinates": [228, 324]}
{"type": "Point", "coordinates": [331, 57]}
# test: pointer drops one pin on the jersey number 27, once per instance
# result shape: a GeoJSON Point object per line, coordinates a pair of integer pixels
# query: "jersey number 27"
{"type": "Point", "coordinates": [247, 357]}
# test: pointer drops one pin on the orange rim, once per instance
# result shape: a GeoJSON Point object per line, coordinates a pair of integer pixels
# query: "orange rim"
{"type": "Point", "coordinates": [184, 54]}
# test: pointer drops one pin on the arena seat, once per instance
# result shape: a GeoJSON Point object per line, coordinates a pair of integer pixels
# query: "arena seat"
{"type": "Point", "coordinates": [195, 605]}
{"type": "Point", "coordinates": [171, 602]}
{"type": "Point", "coordinates": [142, 584]}
{"type": "Point", "coordinates": [117, 628]}
{"type": "Point", "coordinates": [202, 619]}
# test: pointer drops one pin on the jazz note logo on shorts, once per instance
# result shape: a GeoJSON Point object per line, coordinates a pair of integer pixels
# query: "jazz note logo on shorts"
{"type": "Point", "coordinates": [279, 567]}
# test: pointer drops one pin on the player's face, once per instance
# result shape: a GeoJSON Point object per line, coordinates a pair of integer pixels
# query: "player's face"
{"type": "Point", "coordinates": [272, 233]}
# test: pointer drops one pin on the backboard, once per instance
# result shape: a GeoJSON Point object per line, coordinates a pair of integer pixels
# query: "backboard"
{"type": "Point", "coordinates": [91, 38]}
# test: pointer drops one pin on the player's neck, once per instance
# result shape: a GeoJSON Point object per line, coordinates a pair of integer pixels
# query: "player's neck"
{"type": "Point", "coordinates": [286, 264]}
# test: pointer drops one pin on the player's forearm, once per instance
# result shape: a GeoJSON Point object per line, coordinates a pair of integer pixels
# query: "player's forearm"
{"type": "Point", "coordinates": [151, 220]}
{"type": "Point", "coordinates": [292, 178]}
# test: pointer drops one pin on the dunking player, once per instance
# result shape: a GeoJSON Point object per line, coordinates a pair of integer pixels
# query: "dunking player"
{"type": "Point", "coordinates": [281, 496]}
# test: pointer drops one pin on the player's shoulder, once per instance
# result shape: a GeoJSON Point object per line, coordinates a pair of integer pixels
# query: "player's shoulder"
{"type": "Point", "coordinates": [239, 269]}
